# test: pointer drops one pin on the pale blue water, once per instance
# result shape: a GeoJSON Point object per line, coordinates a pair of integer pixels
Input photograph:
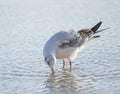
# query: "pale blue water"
{"type": "Point", "coordinates": [25, 26]}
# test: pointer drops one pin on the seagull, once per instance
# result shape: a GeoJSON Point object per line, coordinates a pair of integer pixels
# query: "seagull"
{"type": "Point", "coordinates": [66, 45]}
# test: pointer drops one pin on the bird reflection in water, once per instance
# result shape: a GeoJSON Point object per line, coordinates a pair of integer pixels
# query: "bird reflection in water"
{"type": "Point", "coordinates": [67, 82]}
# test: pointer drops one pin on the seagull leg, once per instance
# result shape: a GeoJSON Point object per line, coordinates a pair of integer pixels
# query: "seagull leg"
{"type": "Point", "coordinates": [70, 62]}
{"type": "Point", "coordinates": [64, 64]}
{"type": "Point", "coordinates": [53, 71]}
{"type": "Point", "coordinates": [70, 65]}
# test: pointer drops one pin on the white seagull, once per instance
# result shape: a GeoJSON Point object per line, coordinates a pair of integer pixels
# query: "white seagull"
{"type": "Point", "coordinates": [66, 44]}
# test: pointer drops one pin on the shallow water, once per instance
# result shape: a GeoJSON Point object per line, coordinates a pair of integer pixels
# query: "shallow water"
{"type": "Point", "coordinates": [26, 25]}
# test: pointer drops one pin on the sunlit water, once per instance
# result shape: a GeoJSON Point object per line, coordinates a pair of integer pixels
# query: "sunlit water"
{"type": "Point", "coordinates": [26, 25]}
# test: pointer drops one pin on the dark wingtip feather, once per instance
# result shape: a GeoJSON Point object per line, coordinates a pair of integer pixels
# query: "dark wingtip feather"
{"type": "Point", "coordinates": [95, 28]}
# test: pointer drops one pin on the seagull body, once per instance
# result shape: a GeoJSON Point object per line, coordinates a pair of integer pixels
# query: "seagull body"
{"type": "Point", "coordinates": [67, 44]}
{"type": "Point", "coordinates": [59, 45]}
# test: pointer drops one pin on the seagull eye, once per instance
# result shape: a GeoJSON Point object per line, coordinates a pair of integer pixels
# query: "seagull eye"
{"type": "Point", "coordinates": [48, 63]}
{"type": "Point", "coordinates": [45, 59]}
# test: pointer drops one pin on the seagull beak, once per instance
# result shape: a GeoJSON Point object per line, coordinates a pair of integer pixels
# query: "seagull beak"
{"type": "Point", "coordinates": [53, 71]}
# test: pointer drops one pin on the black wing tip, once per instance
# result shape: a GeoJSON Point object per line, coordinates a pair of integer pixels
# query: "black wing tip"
{"type": "Point", "coordinates": [96, 27]}
{"type": "Point", "coordinates": [100, 22]}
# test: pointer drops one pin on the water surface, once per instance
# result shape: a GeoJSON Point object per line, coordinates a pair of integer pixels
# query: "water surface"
{"type": "Point", "coordinates": [25, 26]}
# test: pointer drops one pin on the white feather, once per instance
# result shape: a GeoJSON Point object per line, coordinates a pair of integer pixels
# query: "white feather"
{"type": "Point", "coordinates": [64, 45]}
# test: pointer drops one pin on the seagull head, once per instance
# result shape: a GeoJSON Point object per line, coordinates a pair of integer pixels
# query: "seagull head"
{"type": "Point", "coordinates": [50, 61]}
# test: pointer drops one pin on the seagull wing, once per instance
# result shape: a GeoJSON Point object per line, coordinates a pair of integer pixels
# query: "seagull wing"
{"type": "Point", "coordinates": [68, 39]}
